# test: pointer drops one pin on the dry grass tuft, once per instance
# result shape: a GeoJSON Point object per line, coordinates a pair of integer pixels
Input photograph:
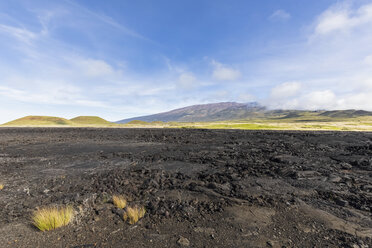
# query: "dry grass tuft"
{"type": "Point", "coordinates": [1, 186]}
{"type": "Point", "coordinates": [119, 201]}
{"type": "Point", "coordinates": [50, 218]}
{"type": "Point", "coordinates": [133, 214]}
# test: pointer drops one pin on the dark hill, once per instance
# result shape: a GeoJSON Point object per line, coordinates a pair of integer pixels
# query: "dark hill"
{"type": "Point", "coordinates": [239, 111]}
{"type": "Point", "coordinates": [204, 112]}
{"type": "Point", "coordinates": [346, 113]}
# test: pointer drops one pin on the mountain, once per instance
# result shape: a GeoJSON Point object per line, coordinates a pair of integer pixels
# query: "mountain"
{"type": "Point", "coordinates": [222, 111]}
{"type": "Point", "coordinates": [239, 111]}
{"type": "Point", "coordinates": [205, 112]}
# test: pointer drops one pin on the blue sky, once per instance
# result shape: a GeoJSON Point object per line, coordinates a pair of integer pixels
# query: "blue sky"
{"type": "Point", "coordinates": [120, 59]}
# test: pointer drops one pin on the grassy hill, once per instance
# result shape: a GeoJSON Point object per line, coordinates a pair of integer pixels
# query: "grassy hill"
{"type": "Point", "coordinates": [346, 113]}
{"type": "Point", "coordinates": [39, 121]}
{"type": "Point", "coordinates": [137, 122]}
{"type": "Point", "coordinates": [46, 121]}
{"type": "Point", "coordinates": [344, 120]}
{"type": "Point", "coordinates": [90, 120]}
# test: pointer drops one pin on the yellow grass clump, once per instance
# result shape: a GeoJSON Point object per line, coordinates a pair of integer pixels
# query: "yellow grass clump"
{"type": "Point", "coordinates": [133, 214]}
{"type": "Point", "coordinates": [1, 186]}
{"type": "Point", "coordinates": [119, 201]}
{"type": "Point", "coordinates": [50, 218]}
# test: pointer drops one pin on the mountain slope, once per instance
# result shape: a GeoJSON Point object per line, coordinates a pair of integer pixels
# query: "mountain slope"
{"type": "Point", "coordinates": [205, 112]}
{"type": "Point", "coordinates": [346, 113]}
{"type": "Point", "coordinates": [240, 111]}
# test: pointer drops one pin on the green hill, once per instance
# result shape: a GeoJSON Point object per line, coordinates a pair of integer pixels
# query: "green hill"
{"type": "Point", "coordinates": [45, 121]}
{"type": "Point", "coordinates": [90, 120]}
{"type": "Point", "coordinates": [346, 113]}
{"type": "Point", "coordinates": [137, 122]}
{"type": "Point", "coordinates": [39, 121]}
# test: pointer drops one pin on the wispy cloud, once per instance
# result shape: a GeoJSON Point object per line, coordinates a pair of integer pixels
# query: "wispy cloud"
{"type": "Point", "coordinates": [285, 90]}
{"type": "Point", "coordinates": [58, 57]}
{"type": "Point", "coordinates": [322, 99]}
{"type": "Point", "coordinates": [280, 15]}
{"type": "Point", "coordinates": [187, 80]}
{"type": "Point", "coordinates": [342, 17]}
{"type": "Point", "coordinates": [65, 95]}
{"type": "Point", "coordinates": [224, 73]}
{"type": "Point", "coordinates": [91, 68]}
{"type": "Point", "coordinates": [108, 20]}
{"type": "Point", "coordinates": [19, 33]}
{"type": "Point", "coordinates": [52, 72]}
{"type": "Point", "coordinates": [332, 66]}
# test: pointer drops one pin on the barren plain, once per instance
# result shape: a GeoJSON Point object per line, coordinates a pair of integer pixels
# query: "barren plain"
{"type": "Point", "coordinates": [200, 188]}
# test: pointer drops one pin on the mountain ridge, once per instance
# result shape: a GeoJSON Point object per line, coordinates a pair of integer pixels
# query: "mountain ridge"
{"type": "Point", "coordinates": [224, 111]}
{"type": "Point", "coordinates": [202, 112]}
{"type": "Point", "coordinates": [212, 112]}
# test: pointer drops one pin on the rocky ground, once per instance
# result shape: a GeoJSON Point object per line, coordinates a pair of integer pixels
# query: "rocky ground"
{"type": "Point", "coordinates": [201, 188]}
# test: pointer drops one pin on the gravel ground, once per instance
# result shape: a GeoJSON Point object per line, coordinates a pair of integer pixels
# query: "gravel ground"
{"type": "Point", "coordinates": [201, 188]}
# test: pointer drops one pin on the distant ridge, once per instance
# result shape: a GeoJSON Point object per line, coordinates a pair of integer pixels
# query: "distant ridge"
{"type": "Point", "coordinates": [224, 111]}
{"type": "Point", "coordinates": [204, 112]}
{"type": "Point", "coordinates": [346, 113]}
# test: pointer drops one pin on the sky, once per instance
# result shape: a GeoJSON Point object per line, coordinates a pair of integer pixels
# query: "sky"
{"type": "Point", "coordinates": [121, 58]}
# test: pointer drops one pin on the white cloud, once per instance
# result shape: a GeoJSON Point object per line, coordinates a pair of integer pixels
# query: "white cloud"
{"type": "Point", "coordinates": [224, 73]}
{"type": "Point", "coordinates": [218, 96]}
{"type": "Point", "coordinates": [368, 60]}
{"type": "Point", "coordinates": [94, 67]}
{"type": "Point", "coordinates": [283, 96]}
{"type": "Point", "coordinates": [366, 84]}
{"type": "Point", "coordinates": [187, 80]}
{"type": "Point", "coordinates": [281, 15]}
{"type": "Point", "coordinates": [333, 65]}
{"type": "Point", "coordinates": [63, 95]}
{"type": "Point", "coordinates": [327, 99]}
{"type": "Point", "coordinates": [245, 97]}
{"type": "Point", "coordinates": [362, 100]}
{"type": "Point", "coordinates": [20, 34]}
{"type": "Point", "coordinates": [341, 17]}
{"type": "Point", "coordinates": [12, 93]}
{"type": "Point", "coordinates": [285, 90]}
{"type": "Point", "coordinates": [307, 99]}
{"type": "Point", "coordinates": [64, 77]}
{"type": "Point", "coordinates": [319, 100]}
{"type": "Point", "coordinates": [107, 20]}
